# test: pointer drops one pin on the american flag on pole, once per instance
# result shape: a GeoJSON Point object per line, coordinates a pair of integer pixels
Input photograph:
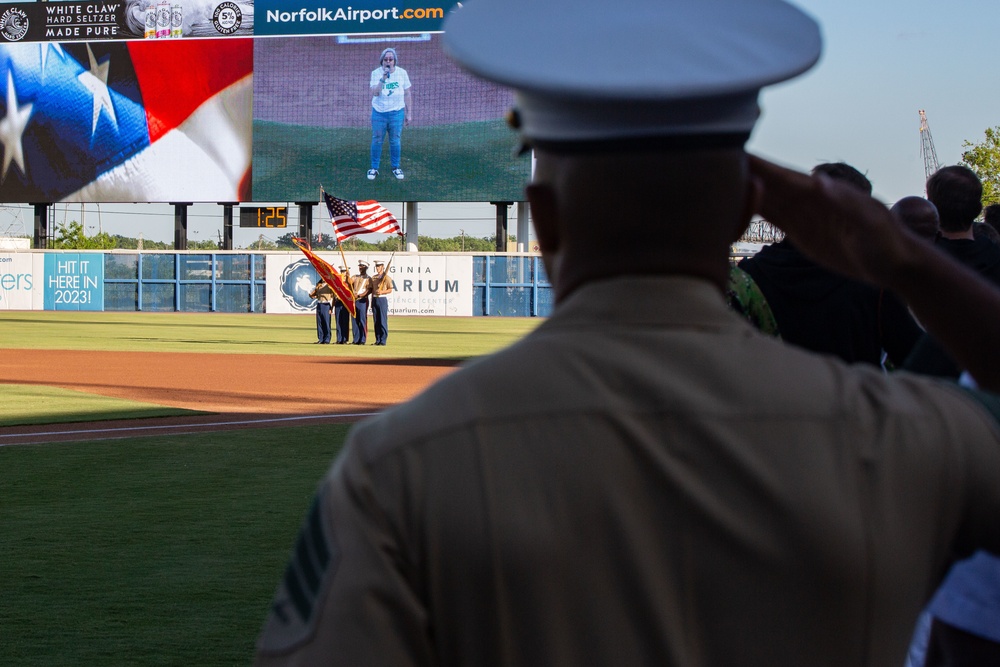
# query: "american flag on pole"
{"type": "Point", "coordinates": [135, 121]}
{"type": "Point", "coordinates": [351, 218]}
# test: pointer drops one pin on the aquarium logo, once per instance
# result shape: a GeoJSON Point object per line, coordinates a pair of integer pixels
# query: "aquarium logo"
{"type": "Point", "coordinates": [297, 281]}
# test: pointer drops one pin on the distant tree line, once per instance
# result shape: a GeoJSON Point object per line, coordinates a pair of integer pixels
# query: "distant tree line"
{"type": "Point", "coordinates": [71, 236]}
{"type": "Point", "coordinates": [984, 159]}
{"type": "Point", "coordinates": [395, 243]}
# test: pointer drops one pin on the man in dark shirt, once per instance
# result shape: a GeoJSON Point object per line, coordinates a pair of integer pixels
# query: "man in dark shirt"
{"type": "Point", "coordinates": [958, 195]}
{"type": "Point", "coordinates": [825, 312]}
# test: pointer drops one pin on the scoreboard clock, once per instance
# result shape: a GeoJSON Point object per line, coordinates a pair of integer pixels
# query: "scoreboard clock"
{"type": "Point", "coordinates": [271, 217]}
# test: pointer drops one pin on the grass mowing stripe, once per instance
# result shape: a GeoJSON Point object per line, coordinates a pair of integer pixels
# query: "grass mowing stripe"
{"type": "Point", "coordinates": [151, 550]}
{"type": "Point", "coordinates": [32, 404]}
{"type": "Point", "coordinates": [448, 338]}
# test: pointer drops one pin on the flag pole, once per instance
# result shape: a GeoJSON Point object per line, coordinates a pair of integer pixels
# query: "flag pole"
{"type": "Point", "coordinates": [350, 283]}
{"type": "Point", "coordinates": [340, 247]}
{"type": "Point", "coordinates": [385, 271]}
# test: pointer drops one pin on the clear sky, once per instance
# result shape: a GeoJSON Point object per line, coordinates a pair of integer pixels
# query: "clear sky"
{"type": "Point", "coordinates": [882, 61]}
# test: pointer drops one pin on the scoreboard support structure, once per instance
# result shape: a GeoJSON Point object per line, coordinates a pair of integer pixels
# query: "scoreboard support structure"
{"type": "Point", "coordinates": [41, 240]}
{"type": "Point", "coordinates": [306, 219]}
{"type": "Point", "coordinates": [501, 240]}
{"type": "Point", "coordinates": [227, 226]}
{"type": "Point", "coordinates": [180, 225]}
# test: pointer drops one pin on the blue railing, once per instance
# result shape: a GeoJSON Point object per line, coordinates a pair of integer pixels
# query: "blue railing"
{"type": "Point", "coordinates": [224, 283]}
{"type": "Point", "coordinates": [510, 286]}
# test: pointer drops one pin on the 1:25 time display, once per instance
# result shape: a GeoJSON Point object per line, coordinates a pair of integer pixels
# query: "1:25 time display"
{"type": "Point", "coordinates": [272, 217]}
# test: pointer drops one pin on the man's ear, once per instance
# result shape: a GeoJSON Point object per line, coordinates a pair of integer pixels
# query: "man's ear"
{"type": "Point", "coordinates": [545, 216]}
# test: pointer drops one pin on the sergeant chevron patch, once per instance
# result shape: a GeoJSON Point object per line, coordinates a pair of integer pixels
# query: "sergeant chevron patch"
{"type": "Point", "coordinates": [292, 619]}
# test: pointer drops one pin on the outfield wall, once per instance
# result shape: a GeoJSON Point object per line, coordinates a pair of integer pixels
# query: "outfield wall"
{"type": "Point", "coordinates": [437, 284]}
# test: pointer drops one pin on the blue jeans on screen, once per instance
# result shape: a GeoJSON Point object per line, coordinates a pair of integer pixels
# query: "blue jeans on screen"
{"type": "Point", "coordinates": [383, 122]}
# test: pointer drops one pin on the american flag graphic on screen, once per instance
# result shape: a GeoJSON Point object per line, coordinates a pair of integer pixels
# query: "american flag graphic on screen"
{"type": "Point", "coordinates": [136, 121]}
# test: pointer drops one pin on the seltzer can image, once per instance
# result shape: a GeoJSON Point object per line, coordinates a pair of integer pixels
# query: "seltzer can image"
{"type": "Point", "coordinates": [177, 20]}
{"type": "Point", "coordinates": [163, 20]}
{"type": "Point", "coordinates": [150, 21]}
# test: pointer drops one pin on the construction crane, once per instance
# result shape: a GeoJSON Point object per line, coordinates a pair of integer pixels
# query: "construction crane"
{"type": "Point", "coordinates": [927, 147]}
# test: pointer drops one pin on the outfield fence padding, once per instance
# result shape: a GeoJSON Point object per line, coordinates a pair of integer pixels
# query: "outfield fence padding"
{"type": "Point", "coordinates": [437, 284]}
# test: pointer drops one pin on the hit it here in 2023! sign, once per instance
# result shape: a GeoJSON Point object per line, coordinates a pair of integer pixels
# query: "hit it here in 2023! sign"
{"type": "Point", "coordinates": [53, 281]}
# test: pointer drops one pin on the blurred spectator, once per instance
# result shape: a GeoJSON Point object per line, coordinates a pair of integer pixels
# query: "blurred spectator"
{"type": "Point", "coordinates": [982, 230]}
{"type": "Point", "coordinates": [920, 215]}
{"type": "Point", "coordinates": [825, 312]}
{"type": "Point", "coordinates": [991, 216]}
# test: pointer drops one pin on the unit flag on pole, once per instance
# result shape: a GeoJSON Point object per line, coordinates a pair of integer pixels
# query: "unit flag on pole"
{"type": "Point", "coordinates": [329, 276]}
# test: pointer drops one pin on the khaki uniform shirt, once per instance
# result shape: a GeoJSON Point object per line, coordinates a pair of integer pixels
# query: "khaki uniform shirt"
{"type": "Point", "coordinates": [381, 284]}
{"type": "Point", "coordinates": [323, 293]}
{"type": "Point", "coordinates": [686, 491]}
{"type": "Point", "coordinates": [362, 286]}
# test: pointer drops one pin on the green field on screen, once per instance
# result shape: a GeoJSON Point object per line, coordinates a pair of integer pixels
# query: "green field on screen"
{"type": "Point", "coordinates": [461, 162]}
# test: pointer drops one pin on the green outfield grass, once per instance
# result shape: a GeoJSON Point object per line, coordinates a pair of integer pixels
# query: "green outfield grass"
{"type": "Point", "coordinates": [30, 404]}
{"type": "Point", "coordinates": [454, 338]}
{"type": "Point", "coordinates": [150, 551]}
{"type": "Point", "coordinates": [167, 550]}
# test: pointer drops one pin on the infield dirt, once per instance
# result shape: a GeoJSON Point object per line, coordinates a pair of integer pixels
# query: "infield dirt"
{"type": "Point", "coordinates": [242, 389]}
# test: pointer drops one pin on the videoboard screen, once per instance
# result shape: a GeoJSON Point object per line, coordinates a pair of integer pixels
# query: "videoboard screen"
{"type": "Point", "coordinates": [142, 121]}
{"type": "Point", "coordinates": [105, 102]}
{"type": "Point", "coordinates": [314, 124]}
